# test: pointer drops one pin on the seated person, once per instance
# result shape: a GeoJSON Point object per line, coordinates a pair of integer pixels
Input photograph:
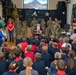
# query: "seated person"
{"type": "Point", "coordinates": [39, 65]}
{"type": "Point", "coordinates": [12, 68]}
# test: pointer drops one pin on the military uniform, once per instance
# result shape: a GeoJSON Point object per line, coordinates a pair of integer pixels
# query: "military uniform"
{"type": "Point", "coordinates": [57, 23]}
{"type": "Point", "coordinates": [24, 28]}
{"type": "Point", "coordinates": [33, 25]}
{"type": "Point", "coordinates": [43, 25]}
{"type": "Point", "coordinates": [18, 26]}
{"type": "Point", "coordinates": [49, 24]}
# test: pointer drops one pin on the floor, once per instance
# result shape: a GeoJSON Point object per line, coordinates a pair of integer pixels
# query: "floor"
{"type": "Point", "coordinates": [13, 43]}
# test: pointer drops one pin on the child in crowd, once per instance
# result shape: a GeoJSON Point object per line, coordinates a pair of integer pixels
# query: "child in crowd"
{"type": "Point", "coordinates": [12, 68]}
{"type": "Point", "coordinates": [55, 49]}
{"type": "Point", "coordinates": [46, 57]}
{"type": "Point", "coordinates": [19, 59]}
{"type": "Point", "coordinates": [28, 65]}
{"type": "Point", "coordinates": [64, 55]}
{"type": "Point", "coordinates": [18, 40]}
{"type": "Point", "coordinates": [53, 70]}
{"type": "Point", "coordinates": [29, 53]}
{"type": "Point", "coordinates": [3, 63]}
{"type": "Point", "coordinates": [34, 47]}
{"type": "Point", "coordinates": [39, 65]}
{"type": "Point", "coordinates": [23, 44]}
{"type": "Point", "coordinates": [61, 66]}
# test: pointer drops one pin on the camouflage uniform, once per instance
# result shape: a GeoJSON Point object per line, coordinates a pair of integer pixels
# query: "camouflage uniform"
{"type": "Point", "coordinates": [49, 24]}
{"type": "Point", "coordinates": [24, 28]}
{"type": "Point", "coordinates": [58, 27]}
{"type": "Point", "coordinates": [43, 25]}
{"type": "Point", "coordinates": [33, 25]}
{"type": "Point", "coordinates": [18, 26]}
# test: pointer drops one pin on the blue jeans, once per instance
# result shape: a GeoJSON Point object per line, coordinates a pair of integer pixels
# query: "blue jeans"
{"type": "Point", "coordinates": [11, 35]}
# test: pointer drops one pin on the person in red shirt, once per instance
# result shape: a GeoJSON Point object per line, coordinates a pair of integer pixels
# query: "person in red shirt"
{"type": "Point", "coordinates": [34, 47]}
{"type": "Point", "coordinates": [61, 66]}
{"type": "Point", "coordinates": [60, 43]}
{"type": "Point", "coordinates": [10, 26]}
{"type": "Point", "coordinates": [23, 44]}
{"type": "Point", "coordinates": [29, 53]}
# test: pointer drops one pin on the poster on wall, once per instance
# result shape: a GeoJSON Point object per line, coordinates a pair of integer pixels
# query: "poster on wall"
{"type": "Point", "coordinates": [35, 4]}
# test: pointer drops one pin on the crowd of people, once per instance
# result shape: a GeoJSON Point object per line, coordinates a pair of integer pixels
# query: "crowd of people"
{"type": "Point", "coordinates": [39, 54]}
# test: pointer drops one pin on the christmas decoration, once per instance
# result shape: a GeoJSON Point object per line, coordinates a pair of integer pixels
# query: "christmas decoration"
{"type": "Point", "coordinates": [15, 13]}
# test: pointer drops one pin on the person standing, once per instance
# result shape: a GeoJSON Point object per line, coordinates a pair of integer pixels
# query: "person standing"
{"type": "Point", "coordinates": [18, 25]}
{"type": "Point", "coordinates": [43, 25]}
{"type": "Point", "coordinates": [33, 24]}
{"type": "Point", "coordinates": [49, 24]}
{"type": "Point", "coordinates": [24, 28]}
{"type": "Point", "coordinates": [10, 27]}
{"type": "Point", "coordinates": [57, 22]}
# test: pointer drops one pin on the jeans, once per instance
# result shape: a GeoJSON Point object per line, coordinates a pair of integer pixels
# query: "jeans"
{"type": "Point", "coordinates": [11, 35]}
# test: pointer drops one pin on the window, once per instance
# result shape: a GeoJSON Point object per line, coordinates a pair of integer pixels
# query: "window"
{"type": "Point", "coordinates": [35, 4]}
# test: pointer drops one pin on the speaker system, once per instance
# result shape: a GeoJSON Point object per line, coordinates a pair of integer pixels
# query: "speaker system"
{"type": "Point", "coordinates": [61, 13]}
{"type": "Point", "coordinates": [61, 4]}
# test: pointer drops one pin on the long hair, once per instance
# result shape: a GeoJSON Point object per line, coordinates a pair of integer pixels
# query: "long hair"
{"type": "Point", "coordinates": [28, 64]}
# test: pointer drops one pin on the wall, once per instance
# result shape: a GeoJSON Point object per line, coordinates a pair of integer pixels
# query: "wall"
{"type": "Point", "coordinates": [19, 3]}
{"type": "Point", "coordinates": [69, 11]}
{"type": "Point", "coordinates": [51, 3]}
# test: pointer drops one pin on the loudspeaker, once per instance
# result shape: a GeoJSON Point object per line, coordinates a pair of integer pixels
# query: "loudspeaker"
{"type": "Point", "coordinates": [61, 4]}
{"type": "Point", "coordinates": [61, 13]}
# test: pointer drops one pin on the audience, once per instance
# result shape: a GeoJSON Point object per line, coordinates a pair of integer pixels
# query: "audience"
{"type": "Point", "coordinates": [28, 65]}
{"type": "Point", "coordinates": [39, 54]}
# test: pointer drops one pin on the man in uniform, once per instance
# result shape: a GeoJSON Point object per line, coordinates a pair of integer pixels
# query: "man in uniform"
{"type": "Point", "coordinates": [18, 26]}
{"type": "Point", "coordinates": [24, 28]}
{"type": "Point", "coordinates": [49, 24]}
{"type": "Point", "coordinates": [33, 24]}
{"type": "Point", "coordinates": [43, 25]}
{"type": "Point", "coordinates": [57, 22]}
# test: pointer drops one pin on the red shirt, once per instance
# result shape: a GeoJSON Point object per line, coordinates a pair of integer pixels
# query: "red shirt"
{"type": "Point", "coordinates": [60, 45]}
{"type": "Point", "coordinates": [18, 59]}
{"type": "Point", "coordinates": [23, 45]}
{"type": "Point", "coordinates": [30, 55]}
{"type": "Point", "coordinates": [61, 72]}
{"type": "Point", "coordinates": [10, 26]}
{"type": "Point", "coordinates": [34, 48]}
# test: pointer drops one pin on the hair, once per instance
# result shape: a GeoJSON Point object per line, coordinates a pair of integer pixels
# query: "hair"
{"type": "Point", "coordinates": [13, 65]}
{"type": "Point", "coordinates": [61, 64]}
{"type": "Point", "coordinates": [71, 61]}
{"type": "Point", "coordinates": [55, 45]}
{"type": "Point", "coordinates": [63, 49]}
{"type": "Point", "coordinates": [41, 44]}
{"type": "Point", "coordinates": [67, 46]}
{"type": "Point", "coordinates": [29, 48]}
{"type": "Point", "coordinates": [57, 55]}
{"type": "Point", "coordinates": [27, 63]}
{"type": "Point", "coordinates": [24, 39]}
{"type": "Point", "coordinates": [60, 39]}
{"type": "Point", "coordinates": [17, 52]}
{"type": "Point", "coordinates": [71, 54]}
{"type": "Point", "coordinates": [66, 40]}
{"type": "Point", "coordinates": [42, 40]}
{"type": "Point", "coordinates": [50, 43]}
{"type": "Point", "coordinates": [5, 44]}
{"type": "Point", "coordinates": [2, 56]}
{"type": "Point", "coordinates": [44, 49]}
{"type": "Point", "coordinates": [37, 56]}
{"type": "Point", "coordinates": [33, 42]}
